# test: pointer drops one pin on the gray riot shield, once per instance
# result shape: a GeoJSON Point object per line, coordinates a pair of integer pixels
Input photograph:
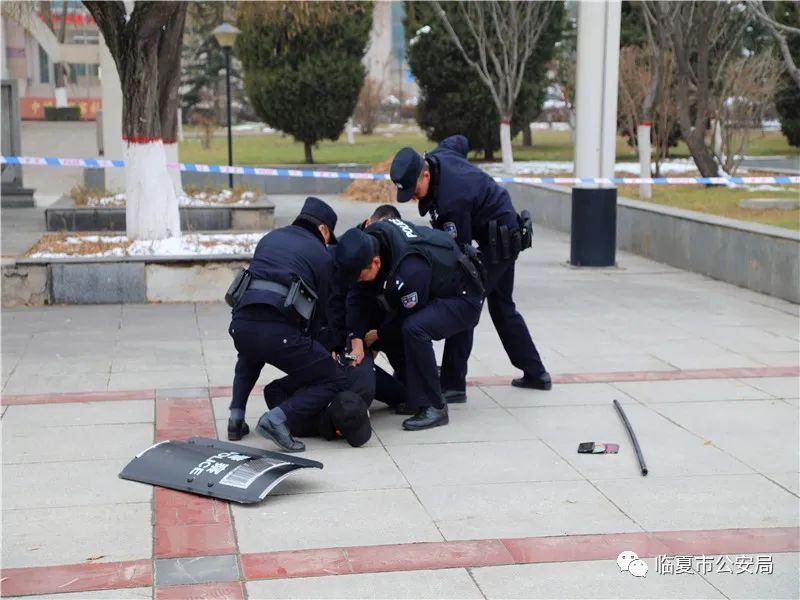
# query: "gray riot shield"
{"type": "Point", "coordinates": [214, 468]}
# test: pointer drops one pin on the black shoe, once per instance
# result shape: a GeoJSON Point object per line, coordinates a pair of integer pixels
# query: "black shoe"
{"type": "Point", "coordinates": [279, 434]}
{"type": "Point", "coordinates": [536, 382]}
{"type": "Point", "coordinates": [237, 429]}
{"type": "Point", "coordinates": [274, 394]}
{"type": "Point", "coordinates": [404, 409]}
{"type": "Point", "coordinates": [455, 396]}
{"type": "Point", "coordinates": [427, 417]}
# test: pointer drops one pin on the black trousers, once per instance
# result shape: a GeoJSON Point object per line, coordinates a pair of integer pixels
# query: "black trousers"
{"type": "Point", "coordinates": [510, 325]}
{"type": "Point", "coordinates": [318, 378]}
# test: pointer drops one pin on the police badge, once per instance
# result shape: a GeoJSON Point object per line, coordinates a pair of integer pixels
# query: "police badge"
{"type": "Point", "coordinates": [409, 301]}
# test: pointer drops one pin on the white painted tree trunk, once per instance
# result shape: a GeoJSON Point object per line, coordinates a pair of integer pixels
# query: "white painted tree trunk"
{"type": "Point", "coordinates": [643, 142]}
{"type": "Point", "coordinates": [505, 145]}
{"type": "Point", "coordinates": [349, 127]}
{"type": "Point", "coordinates": [151, 204]}
{"type": "Point", "coordinates": [572, 120]}
{"type": "Point", "coordinates": [61, 97]}
{"type": "Point", "coordinates": [171, 152]}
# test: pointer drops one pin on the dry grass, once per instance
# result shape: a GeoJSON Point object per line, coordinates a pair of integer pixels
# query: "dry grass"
{"type": "Point", "coordinates": [379, 192]}
{"type": "Point", "coordinates": [84, 196]}
{"type": "Point", "coordinates": [58, 242]}
{"type": "Point", "coordinates": [210, 190]}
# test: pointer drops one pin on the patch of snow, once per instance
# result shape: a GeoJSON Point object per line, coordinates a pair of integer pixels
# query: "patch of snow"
{"type": "Point", "coordinates": [187, 245]}
{"type": "Point", "coordinates": [200, 199]}
{"type": "Point", "coordinates": [548, 167]}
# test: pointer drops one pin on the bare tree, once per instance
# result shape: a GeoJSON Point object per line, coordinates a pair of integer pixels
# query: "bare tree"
{"type": "Point", "coordinates": [145, 45]}
{"type": "Point", "coordinates": [505, 34]}
{"type": "Point", "coordinates": [368, 107]}
{"type": "Point", "coordinates": [706, 37]}
{"type": "Point", "coordinates": [748, 87]}
{"type": "Point", "coordinates": [779, 32]}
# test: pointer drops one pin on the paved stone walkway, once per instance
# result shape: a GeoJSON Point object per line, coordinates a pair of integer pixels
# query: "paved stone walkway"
{"type": "Point", "coordinates": [498, 504]}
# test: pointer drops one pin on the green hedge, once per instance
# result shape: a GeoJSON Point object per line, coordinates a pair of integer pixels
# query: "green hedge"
{"type": "Point", "coordinates": [66, 113]}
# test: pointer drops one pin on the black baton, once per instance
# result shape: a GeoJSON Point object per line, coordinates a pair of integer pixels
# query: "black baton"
{"type": "Point", "coordinates": [632, 435]}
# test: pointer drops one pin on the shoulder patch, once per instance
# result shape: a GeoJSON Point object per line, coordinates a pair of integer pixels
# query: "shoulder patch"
{"type": "Point", "coordinates": [409, 300]}
{"type": "Point", "coordinates": [450, 228]}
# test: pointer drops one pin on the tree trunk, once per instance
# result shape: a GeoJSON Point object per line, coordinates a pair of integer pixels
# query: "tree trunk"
{"type": "Point", "coordinates": [505, 144]}
{"type": "Point", "coordinates": [309, 156]}
{"type": "Point", "coordinates": [527, 136]}
{"type": "Point", "coordinates": [135, 43]}
{"type": "Point", "coordinates": [169, 79]}
{"type": "Point", "coordinates": [643, 143]}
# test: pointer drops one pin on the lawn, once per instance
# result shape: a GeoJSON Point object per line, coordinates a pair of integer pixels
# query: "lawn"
{"type": "Point", "coordinates": [262, 149]}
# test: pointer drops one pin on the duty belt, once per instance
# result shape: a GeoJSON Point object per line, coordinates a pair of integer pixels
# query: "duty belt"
{"type": "Point", "coordinates": [269, 286]}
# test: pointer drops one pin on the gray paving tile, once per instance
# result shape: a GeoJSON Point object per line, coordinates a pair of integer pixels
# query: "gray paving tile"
{"type": "Point", "coordinates": [54, 384]}
{"type": "Point", "coordinates": [780, 387]}
{"type": "Point", "coordinates": [562, 394]}
{"type": "Point", "coordinates": [669, 449]}
{"type": "Point", "coordinates": [199, 569]}
{"type": "Point", "coordinates": [691, 390]}
{"type": "Point", "coordinates": [783, 582]}
{"type": "Point", "coordinates": [137, 379]}
{"type": "Point", "coordinates": [775, 359]}
{"type": "Point", "coordinates": [58, 536]}
{"type": "Point", "coordinates": [36, 416]}
{"type": "Point", "coordinates": [708, 502]}
{"type": "Point", "coordinates": [762, 434]}
{"type": "Point", "coordinates": [790, 481]}
{"type": "Point", "coordinates": [333, 519]}
{"type": "Point", "coordinates": [443, 583]}
{"type": "Point", "coordinates": [464, 512]}
{"type": "Point", "coordinates": [589, 579]}
{"type": "Point", "coordinates": [181, 392]}
{"type": "Point", "coordinates": [94, 482]}
{"type": "Point", "coordinates": [77, 443]}
{"type": "Point", "coordinates": [123, 594]}
{"type": "Point", "coordinates": [481, 462]}
{"type": "Point", "coordinates": [313, 444]}
{"type": "Point", "coordinates": [474, 425]}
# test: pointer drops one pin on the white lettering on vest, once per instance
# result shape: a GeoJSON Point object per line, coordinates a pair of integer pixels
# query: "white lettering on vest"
{"type": "Point", "coordinates": [403, 227]}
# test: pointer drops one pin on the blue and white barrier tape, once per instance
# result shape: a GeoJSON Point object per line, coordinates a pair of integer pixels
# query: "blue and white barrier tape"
{"type": "Point", "coordinates": [272, 172]}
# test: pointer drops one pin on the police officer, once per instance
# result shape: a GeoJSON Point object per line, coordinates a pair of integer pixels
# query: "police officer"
{"type": "Point", "coordinates": [384, 211]}
{"type": "Point", "coordinates": [468, 204]}
{"type": "Point", "coordinates": [274, 322]}
{"type": "Point", "coordinates": [431, 292]}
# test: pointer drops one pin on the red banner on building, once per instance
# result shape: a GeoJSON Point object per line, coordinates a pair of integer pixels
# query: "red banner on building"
{"type": "Point", "coordinates": [31, 108]}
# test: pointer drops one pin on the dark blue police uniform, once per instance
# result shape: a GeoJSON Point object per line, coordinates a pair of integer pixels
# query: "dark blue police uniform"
{"type": "Point", "coordinates": [264, 330]}
{"type": "Point", "coordinates": [425, 287]}
{"type": "Point", "coordinates": [468, 204]}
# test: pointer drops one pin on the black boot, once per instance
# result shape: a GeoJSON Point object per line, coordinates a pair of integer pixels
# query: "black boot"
{"type": "Point", "coordinates": [534, 382]}
{"type": "Point", "coordinates": [279, 434]}
{"type": "Point", "coordinates": [455, 396]}
{"type": "Point", "coordinates": [427, 417]}
{"type": "Point", "coordinates": [237, 429]}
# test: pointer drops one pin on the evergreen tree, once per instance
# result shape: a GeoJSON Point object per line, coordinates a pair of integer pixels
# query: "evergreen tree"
{"type": "Point", "coordinates": [452, 98]}
{"type": "Point", "coordinates": [302, 64]}
{"type": "Point", "coordinates": [787, 100]}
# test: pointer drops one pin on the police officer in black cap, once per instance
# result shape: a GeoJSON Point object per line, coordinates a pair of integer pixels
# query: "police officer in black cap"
{"type": "Point", "coordinates": [430, 290]}
{"type": "Point", "coordinates": [468, 204]}
{"type": "Point", "coordinates": [276, 319]}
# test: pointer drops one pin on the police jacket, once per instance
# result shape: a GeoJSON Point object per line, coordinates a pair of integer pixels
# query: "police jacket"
{"type": "Point", "coordinates": [297, 250]}
{"type": "Point", "coordinates": [418, 265]}
{"type": "Point", "coordinates": [462, 198]}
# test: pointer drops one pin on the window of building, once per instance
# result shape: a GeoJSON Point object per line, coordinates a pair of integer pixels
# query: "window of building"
{"type": "Point", "coordinates": [44, 66]}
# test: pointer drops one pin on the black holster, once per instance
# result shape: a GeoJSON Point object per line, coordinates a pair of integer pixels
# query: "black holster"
{"type": "Point", "coordinates": [238, 287]}
{"type": "Point", "coordinates": [494, 253]}
{"type": "Point", "coordinates": [526, 229]}
{"type": "Point", "coordinates": [472, 265]}
{"type": "Point", "coordinates": [301, 300]}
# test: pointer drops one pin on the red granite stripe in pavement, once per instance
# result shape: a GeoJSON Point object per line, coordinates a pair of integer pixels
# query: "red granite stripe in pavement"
{"type": "Point", "coordinates": [185, 524]}
{"type": "Point", "coordinates": [231, 590]}
{"type": "Point", "coordinates": [84, 577]}
{"type": "Point", "coordinates": [406, 557]}
{"type": "Point", "coordinates": [64, 398]}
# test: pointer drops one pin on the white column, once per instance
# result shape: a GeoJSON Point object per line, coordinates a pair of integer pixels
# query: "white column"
{"type": "Point", "coordinates": [596, 88]}
{"type": "Point", "coordinates": [643, 143]}
{"type": "Point", "coordinates": [112, 118]}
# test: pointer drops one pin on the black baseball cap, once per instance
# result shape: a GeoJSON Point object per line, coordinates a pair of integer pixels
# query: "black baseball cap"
{"type": "Point", "coordinates": [319, 212]}
{"type": "Point", "coordinates": [405, 170]}
{"type": "Point", "coordinates": [354, 252]}
{"type": "Point", "coordinates": [346, 417]}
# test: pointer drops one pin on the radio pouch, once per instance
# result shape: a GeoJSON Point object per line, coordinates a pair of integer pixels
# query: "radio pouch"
{"type": "Point", "coordinates": [238, 287]}
{"type": "Point", "coordinates": [301, 299]}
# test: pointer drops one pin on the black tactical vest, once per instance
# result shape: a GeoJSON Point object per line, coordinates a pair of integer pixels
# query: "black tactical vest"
{"type": "Point", "coordinates": [436, 247]}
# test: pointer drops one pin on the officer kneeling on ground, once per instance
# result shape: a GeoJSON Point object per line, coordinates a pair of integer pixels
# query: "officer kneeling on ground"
{"type": "Point", "coordinates": [274, 322]}
{"type": "Point", "coordinates": [468, 204]}
{"type": "Point", "coordinates": [431, 291]}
